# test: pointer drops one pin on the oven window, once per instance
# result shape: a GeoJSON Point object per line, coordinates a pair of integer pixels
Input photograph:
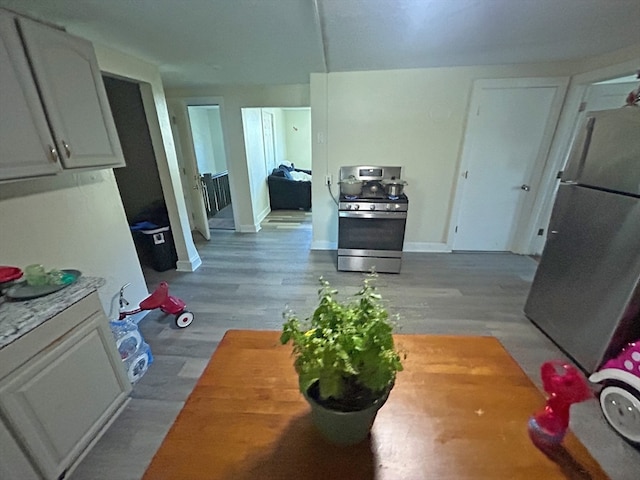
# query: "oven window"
{"type": "Point", "coordinates": [371, 233]}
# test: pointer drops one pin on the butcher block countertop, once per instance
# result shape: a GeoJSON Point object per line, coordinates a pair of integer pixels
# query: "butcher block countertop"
{"type": "Point", "coordinates": [20, 317]}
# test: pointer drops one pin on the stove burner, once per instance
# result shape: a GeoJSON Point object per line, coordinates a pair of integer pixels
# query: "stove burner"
{"type": "Point", "coordinates": [350, 197]}
{"type": "Point", "coordinates": [393, 197]}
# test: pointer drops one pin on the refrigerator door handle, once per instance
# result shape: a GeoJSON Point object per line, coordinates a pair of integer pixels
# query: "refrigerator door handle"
{"type": "Point", "coordinates": [585, 151]}
{"type": "Point", "coordinates": [578, 153]}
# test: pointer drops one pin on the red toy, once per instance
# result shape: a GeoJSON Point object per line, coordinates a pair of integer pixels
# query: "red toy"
{"type": "Point", "coordinates": [161, 299]}
{"type": "Point", "coordinates": [565, 386]}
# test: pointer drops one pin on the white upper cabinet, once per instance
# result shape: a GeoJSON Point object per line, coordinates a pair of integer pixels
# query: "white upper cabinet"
{"type": "Point", "coordinates": [26, 145]}
{"type": "Point", "coordinates": [74, 98]}
{"type": "Point", "coordinates": [54, 111]}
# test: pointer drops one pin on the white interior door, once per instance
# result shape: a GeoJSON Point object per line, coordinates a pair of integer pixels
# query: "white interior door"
{"type": "Point", "coordinates": [196, 188]}
{"type": "Point", "coordinates": [509, 130]}
{"type": "Point", "coordinates": [269, 142]}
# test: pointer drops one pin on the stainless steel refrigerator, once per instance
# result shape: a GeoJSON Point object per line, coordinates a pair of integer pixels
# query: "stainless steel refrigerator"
{"type": "Point", "coordinates": [586, 292]}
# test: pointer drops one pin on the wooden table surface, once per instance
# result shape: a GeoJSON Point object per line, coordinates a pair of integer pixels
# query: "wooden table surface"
{"type": "Point", "coordinates": [458, 411]}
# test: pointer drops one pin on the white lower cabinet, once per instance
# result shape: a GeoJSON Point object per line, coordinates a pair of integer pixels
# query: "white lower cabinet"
{"type": "Point", "coordinates": [58, 402]}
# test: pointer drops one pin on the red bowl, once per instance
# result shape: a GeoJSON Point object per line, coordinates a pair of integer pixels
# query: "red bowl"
{"type": "Point", "coordinates": [9, 273]}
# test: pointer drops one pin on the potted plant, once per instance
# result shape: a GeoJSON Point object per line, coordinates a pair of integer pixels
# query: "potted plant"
{"type": "Point", "coordinates": [346, 361]}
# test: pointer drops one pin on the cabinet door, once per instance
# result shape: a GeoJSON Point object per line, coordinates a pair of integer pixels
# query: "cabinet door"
{"type": "Point", "coordinates": [61, 398]}
{"type": "Point", "coordinates": [26, 145]}
{"type": "Point", "coordinates": [70, 83]}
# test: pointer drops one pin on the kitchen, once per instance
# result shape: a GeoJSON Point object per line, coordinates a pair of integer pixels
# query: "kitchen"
{"type": "Point", "coordinates": [396, 99]}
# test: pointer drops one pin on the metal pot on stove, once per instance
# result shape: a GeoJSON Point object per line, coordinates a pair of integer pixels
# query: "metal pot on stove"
{"type": "Point", "coordinates": [394, 186]}
{"type": "Point", "coordinates": [350, 186]}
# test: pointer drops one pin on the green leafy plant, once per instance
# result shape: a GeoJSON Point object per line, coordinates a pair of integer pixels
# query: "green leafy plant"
{"type": "Point", "coordinates": [345, 350]}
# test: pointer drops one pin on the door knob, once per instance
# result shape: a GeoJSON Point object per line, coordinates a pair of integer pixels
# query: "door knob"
{"type": "Point", "coordinates": [525, 187]}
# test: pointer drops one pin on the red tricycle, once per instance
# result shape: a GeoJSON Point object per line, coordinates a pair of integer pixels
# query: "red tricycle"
{"type": "Point", "coordinates": [161, 299]}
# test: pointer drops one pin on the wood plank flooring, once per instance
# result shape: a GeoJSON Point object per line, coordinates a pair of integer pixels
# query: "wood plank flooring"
{"type": "Point", "coordinates": [247, 280]}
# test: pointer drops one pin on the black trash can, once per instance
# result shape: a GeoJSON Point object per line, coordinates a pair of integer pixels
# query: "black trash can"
{"type": "Point", "coordinates": [152, 237]}
{"type": "Point", "coordinates": [158, 248]}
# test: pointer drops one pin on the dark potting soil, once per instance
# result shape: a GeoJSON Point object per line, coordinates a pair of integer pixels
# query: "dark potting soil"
{"type": "Point", "coordinates": [356, 397]}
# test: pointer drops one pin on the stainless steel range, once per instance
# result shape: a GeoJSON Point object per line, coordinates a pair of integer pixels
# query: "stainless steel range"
{"type": "Point", "coordinates": [371, 224]}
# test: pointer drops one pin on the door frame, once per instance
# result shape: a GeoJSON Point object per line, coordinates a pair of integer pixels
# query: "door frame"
{"type": "Point", "coordinates": [521, 240]}
{"type": "Point", "coordinates": [189, 150]}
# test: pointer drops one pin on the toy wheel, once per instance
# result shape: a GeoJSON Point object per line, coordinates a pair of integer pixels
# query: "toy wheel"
{"type": "Point", "coordinates": [621, 408]}
{"type": "Point", "coordinates": [184, 319]}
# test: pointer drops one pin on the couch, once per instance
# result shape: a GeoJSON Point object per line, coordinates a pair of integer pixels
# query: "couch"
{"type": "Point", "coordinates": [287, 193]}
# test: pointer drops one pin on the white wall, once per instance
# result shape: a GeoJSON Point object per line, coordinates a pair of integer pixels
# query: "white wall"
{"type": "Point", "coordinates": [235, 98]}
{"type": "Point", "coordinates": [72, 221]}
{"type": "Point", "coordinates": [297, 125]}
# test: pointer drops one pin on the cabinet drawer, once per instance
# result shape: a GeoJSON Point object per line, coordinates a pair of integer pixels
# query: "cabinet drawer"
{"type": "Point", "coordinates": [47, 335]}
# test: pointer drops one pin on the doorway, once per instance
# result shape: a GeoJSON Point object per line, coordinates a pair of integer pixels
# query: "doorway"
{"type": "Point", "coordinates": [211, 162]}
{"type": "Point", "coordinates": [139, 182]}
{"type": "Point", "coordinates": [274, 137]}
{"type": "Point", "coordinates": [609, 93]}
{"type": "Point", "coordinates": [509, 131]}
{"type": "Point", "coordinates": [199, 137]}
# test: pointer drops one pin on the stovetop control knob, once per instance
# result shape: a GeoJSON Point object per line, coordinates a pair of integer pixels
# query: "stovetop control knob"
{"type": "Point", "coordinates": [349, 206]}
{"type": "Point", "coordinates": [356, 207]}
{"type": "Point", "coordinates": [372, 207]}
{"type": "Point", "coordinates": [397, 206]}
{"type": "Point", "coordinates": [388, 206]}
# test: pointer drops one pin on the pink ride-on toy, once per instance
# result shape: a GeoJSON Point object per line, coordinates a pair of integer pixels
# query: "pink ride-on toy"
{"type": "Point", "coordinates": [161, 299]}
{"type": "Point", "coordinates": [620, 396]}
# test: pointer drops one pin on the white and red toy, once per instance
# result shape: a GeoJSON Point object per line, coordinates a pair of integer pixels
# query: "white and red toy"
{"type": "Point", "coordinates": [620, 397]}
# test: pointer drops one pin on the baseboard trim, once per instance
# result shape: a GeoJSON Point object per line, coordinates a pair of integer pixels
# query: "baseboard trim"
{"type": "Point", "coordinates": [249, 228]}
{"type": "Point", "coordinates": [263, 215]}
{"type": "Point", "coordinates": [433, 247]}
{"type": "Point", "coordinates": [190, 265]}
{"type": "Point", "coordinates": [323, 245]}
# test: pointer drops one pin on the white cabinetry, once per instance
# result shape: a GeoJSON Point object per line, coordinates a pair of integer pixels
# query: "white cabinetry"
{"type": "Point", "coordinates": [26, 144]}
{"type": "Point", "coordinates": [66, 382]}
{"type": "Point", "coordinates": [55, 111]}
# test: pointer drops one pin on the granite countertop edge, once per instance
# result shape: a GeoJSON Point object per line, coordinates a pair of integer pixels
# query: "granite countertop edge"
{"type": "Point", "coordinates": [20, 317]}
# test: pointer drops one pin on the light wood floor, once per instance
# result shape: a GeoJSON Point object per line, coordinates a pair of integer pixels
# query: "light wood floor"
{"type": "Point", "coordinates": [247, 280]}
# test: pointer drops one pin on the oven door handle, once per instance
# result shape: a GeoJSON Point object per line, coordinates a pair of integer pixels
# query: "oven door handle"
{"type": "Point", "coordinates": [373, 214]}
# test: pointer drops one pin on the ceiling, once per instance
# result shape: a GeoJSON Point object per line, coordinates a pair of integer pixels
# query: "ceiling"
{"type": "Point", "coordinates": [249, 42]}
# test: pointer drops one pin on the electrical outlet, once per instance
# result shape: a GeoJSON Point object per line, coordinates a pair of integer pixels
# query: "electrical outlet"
{"type": "Point", "coordinates": [327, 179]}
